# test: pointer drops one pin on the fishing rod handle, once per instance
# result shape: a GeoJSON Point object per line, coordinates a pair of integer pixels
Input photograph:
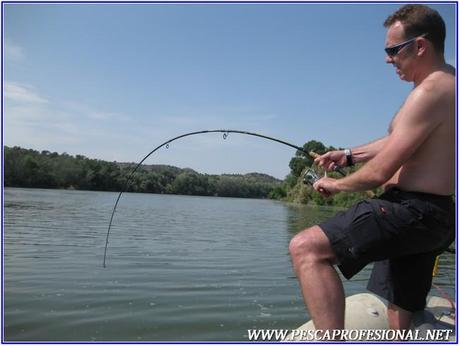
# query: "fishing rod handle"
{"type": "Point", "coordinates": [335, 168]}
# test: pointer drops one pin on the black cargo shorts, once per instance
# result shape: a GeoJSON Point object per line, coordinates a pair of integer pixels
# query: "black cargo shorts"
{"type": "Point", "coordinates": [402, 232]}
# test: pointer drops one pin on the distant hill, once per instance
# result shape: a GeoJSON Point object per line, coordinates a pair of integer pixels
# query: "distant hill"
{"type": "Point", "coordinates": [261, 177]}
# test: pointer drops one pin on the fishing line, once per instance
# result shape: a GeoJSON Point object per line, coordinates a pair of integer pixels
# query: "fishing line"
{"type": "Point", "coordinates": [166, 144]}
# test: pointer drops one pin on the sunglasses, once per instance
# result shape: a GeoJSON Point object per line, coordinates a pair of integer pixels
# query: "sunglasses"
{"type": "Point", "coordinates": [394, 50]}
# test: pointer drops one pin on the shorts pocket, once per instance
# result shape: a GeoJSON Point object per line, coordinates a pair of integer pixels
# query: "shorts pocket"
{"type": "Point", "coordinates": [396, 218]}
{"type": "Point", "coordinates": [368, 237]}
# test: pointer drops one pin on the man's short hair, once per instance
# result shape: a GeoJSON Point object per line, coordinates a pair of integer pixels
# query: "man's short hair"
{"type": "Point", "coordinates": [418, 20]}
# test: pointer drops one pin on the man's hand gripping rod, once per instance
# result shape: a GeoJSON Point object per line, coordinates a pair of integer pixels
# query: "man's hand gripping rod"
{"type": "Point", "coordinates": [310, 176]}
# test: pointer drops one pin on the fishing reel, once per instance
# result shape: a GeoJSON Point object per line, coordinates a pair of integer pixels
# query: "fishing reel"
{"type": "Point", "coordinates": [310, 176]}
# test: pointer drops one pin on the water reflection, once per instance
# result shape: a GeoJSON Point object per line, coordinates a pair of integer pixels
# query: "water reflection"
{"type": "Point", "coordinates": [300, 217]}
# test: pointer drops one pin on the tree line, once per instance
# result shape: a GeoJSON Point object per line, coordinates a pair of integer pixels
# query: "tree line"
{"type": "Point", "coordinates": [31, 168]}
{"type": "Point", "coordinates": [45, 169]}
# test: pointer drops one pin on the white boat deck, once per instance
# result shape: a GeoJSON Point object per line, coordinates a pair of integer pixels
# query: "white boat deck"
{"type": "Point", "coordinates": [366, 320]}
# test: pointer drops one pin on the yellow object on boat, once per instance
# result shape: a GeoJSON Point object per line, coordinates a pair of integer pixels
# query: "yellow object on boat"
{"type": "Point", "coordinates": [436, 266]}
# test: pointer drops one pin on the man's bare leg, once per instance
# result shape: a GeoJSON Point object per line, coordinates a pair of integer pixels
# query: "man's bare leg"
{"type": "Point", "coordinates": [398, 318]}
{"type": "Point", "coordinates": [322, 289]}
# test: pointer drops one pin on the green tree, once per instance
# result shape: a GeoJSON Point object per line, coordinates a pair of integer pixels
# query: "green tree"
{"type": "Point", "coordinates": [302, 160]}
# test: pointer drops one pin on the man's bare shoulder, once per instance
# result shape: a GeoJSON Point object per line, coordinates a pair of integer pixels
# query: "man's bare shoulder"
{"type": "Point", "coordinates": [438, 88]}
{"type": "Point", "coordinates": [432, 102]}
{"type": "Point", "coordinates": [442, 81]}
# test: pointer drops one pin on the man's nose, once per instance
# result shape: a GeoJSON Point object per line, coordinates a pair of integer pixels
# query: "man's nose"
{"type": "Point", "coordinates": [389, 59]}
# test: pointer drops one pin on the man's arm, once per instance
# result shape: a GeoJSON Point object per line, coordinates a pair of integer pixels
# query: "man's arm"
{"type": "Point", "coordinates": [362, 153]}
{"type": "Point", "coordinates": [414, 125]}
{"type": "Point", "coordinates": [368, 151]}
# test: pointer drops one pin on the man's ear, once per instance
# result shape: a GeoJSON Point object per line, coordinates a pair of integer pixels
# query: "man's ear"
{"type": "Point", "coordinates": [421, 46]}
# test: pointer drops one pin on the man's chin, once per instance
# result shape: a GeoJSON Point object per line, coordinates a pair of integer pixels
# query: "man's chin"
{"type": "Point", "coordinates": [403, 77]}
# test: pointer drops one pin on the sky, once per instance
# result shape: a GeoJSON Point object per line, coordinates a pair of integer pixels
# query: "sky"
{"type": "Point", "coordinates": [113, 81]}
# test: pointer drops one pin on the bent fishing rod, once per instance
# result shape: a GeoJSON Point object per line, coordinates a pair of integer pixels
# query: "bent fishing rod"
{"type": "Point", "coordinates": [166, 144]}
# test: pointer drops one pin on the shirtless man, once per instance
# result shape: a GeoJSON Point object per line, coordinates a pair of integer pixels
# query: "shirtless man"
{"type": "Point", "coordinates": [414, 219]}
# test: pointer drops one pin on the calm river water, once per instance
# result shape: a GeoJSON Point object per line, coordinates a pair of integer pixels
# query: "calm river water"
{"type": "Point", "coordinates": [178, 268]}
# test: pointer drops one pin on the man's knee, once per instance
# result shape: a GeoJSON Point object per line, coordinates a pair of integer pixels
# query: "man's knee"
{"type": "Point", "coordinates": [310, 246]}
{"type": "Point", "coordinates": [302, 244]}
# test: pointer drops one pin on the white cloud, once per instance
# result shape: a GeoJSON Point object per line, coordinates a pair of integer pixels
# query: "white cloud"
{"type": "Point", "coordinates": [21, 93]}
{"type": "Point", "coordinates": [101, 115]}
{"type": "Point", "coordinates": [88, 112]}
{"type": "Point", "coordinates": [32, 119]}
{"type": "Point", "coordinates": [13, 52]}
